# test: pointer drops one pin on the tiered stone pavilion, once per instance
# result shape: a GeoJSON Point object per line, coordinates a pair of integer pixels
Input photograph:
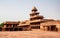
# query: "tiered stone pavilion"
{"type": "Point", "coordinates": [36, 22]}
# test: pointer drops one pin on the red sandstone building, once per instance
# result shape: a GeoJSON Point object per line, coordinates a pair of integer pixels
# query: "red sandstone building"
{"type": "Point", "coordinates": [36, 22]}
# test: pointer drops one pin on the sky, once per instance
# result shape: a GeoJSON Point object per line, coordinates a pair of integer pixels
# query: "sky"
{"type": "Point", "coordinates": [19, 10]}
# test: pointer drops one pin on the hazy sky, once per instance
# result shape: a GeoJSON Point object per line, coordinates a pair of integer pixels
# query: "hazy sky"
{"type": "Point", "coordinates": [17, 10]}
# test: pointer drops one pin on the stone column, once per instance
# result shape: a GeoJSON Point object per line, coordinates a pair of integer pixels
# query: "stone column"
{"type": "Point", "coordinates": [13, 29]}
{"type": "Point", "coordinates": [49, 28]}
{"type": "Point", "coordinates": [46, 28]}
{"type": "Point", "coordinates": [8, 25]}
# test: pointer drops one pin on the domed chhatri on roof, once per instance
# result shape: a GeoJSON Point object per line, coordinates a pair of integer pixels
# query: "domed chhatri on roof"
{"type": "Point", "coordinates": [34, 9]}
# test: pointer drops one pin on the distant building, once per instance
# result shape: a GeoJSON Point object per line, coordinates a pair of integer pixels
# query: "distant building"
{"type": "Point", "coordinates": [36, 22]}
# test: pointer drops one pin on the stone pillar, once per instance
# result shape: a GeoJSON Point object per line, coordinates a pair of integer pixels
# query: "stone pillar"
{"type": "Point", "coordinates": [42, 27]}
{"type": "Point", "coordinates": [45, 28]}
{"type": "Point", "coordinates": [49, 28]}
{"type": "Point", "coordinates": [8, 25]}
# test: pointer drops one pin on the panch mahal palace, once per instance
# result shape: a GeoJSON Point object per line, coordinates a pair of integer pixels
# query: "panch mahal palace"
{"type": "Point", "coordinates": [35, 23]}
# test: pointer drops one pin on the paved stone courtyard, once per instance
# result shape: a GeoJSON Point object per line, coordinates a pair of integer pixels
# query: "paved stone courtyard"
{"type": "Point", "coordinates": [29, 34]}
